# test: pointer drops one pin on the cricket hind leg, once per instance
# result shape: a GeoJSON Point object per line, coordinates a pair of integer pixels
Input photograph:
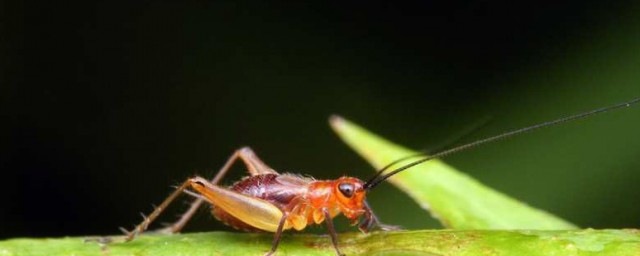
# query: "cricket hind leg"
{"type": "Point", "coordinates": [254, 165]}
{"type": "Point", "coordinates": [251, 210]}
{"type": "Point", "coordinates": [156, 212]}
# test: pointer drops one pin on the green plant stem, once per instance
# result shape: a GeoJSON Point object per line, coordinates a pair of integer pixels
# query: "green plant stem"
{"type": "Point", "coordinates": [422, 242]}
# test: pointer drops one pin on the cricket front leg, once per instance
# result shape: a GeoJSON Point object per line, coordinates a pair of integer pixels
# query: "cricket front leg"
{"type": "Point", "coordinates": [254, 165]}
{"type": "Point", "coordinates": [371, 221]}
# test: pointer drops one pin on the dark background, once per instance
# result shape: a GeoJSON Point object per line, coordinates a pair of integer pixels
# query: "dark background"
{"type": "Point", "coordinates": [106, 105]}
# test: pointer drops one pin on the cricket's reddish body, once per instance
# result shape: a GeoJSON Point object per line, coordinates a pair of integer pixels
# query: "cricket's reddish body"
{"type": "Point", "coordinates": [303, 198]}
{"type": "Point", "coordinates": [272, 202]}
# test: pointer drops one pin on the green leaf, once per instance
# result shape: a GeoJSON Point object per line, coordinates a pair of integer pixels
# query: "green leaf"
{"type": "Point", "coordinates": [435, 242]}
{"type": "Point", "coordinates": [457, 200]}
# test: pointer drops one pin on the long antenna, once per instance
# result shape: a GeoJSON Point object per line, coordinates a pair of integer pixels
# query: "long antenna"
{"type": "Point", "coordinates": [370, 184]}
{"type": "Point", "coordinates": [423, 154]}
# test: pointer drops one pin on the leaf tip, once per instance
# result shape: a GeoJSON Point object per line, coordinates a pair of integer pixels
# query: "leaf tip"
{"type": "Point", "coordinates": [336, 122]}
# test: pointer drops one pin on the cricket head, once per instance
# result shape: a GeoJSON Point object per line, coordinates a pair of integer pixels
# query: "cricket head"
{"type": "Point", "coordinates": [350, 194]}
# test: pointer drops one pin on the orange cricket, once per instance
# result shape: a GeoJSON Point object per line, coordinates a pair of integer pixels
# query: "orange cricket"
{"type": "Point", "coordinates": [273, 202]}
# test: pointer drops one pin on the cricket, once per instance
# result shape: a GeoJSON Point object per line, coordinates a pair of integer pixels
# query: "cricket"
{"type": "Point", "coordinates": [267, 201]}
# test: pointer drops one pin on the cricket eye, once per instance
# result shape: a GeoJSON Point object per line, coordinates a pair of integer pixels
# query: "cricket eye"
{"type": "Point", "coordinates": [346, 189]}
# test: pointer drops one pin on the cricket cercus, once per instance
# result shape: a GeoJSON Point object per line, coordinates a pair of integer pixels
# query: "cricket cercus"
{"type": "Point", "coordinates": [269, 201]}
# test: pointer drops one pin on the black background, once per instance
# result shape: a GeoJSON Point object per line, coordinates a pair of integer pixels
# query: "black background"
{"type": "Point", "coordinates": [105, 105]}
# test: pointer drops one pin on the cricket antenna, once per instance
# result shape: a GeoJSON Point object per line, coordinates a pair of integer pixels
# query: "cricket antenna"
{"type": "Point", "coordinates": [423, 154]}
{"type": "Point", "coordinates": [378, 178]}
